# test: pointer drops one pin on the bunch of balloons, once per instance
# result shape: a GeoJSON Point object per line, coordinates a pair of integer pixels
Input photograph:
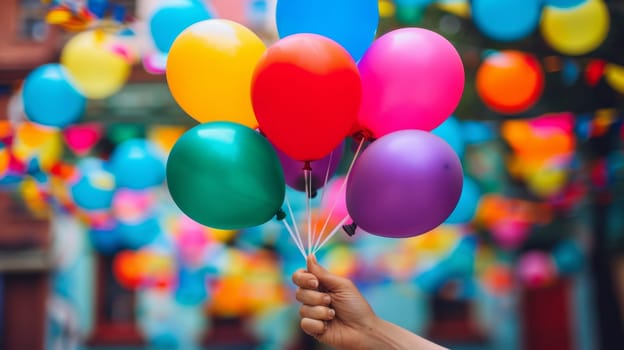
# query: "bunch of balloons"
{"type": "Point", "coordinates": [319, 84]}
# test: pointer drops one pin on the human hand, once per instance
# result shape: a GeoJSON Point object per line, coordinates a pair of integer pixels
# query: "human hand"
{"type": "Point", "coordinates": [333, 310]}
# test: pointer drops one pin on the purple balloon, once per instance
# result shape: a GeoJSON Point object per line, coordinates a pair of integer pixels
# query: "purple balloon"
{"type": "Point", "coordinates": [404, 184]}
{"type": "Point", "coordinates": [293, 169]}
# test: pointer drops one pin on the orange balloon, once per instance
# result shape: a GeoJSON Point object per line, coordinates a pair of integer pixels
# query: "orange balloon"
{"type": "Point", "coordinates": [510, 82]}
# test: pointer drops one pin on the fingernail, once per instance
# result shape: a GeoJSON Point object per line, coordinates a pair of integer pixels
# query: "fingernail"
{"type": "Point", "coordinates": [327, 299]}
{"type": "Point", "coordinates": [332, 313]}
{"type": "Point", "coordinates": [313, 284]}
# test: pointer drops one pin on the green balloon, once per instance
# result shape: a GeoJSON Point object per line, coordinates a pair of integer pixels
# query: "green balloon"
{"type": "Point", "coordinates": [225, 175]}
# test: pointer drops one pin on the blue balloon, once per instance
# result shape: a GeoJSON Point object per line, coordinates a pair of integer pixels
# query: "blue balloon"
{"type": "Point", "coordinates": [134, 236]}
{"type": "Point", "coordinates": [568, 257]}
{"type": "Point", "coordinates": [351, 23]}
{"type": "Point", "coordinates": [96, 186]}
{"type": "Point", "coordinates": [105, 241]}
{"type": "Point", "coordinates": [506, 20]}
{"type": "Point", "coordinates": [451, 132]}
{"type": "Point", "coordinates": [50, 98]}
{"type": "Point", "coordinates": [137, 164]}
{"type": "Point", "coordinates": [564, 3]}
{"type": "Point", "coordinates": [468, 203]}
{"type": "Point", "coordinates": [172, 17]}
{"type": "Point", "coordinates": [191, 289]}
{"type": "Point", "coordinates": [570, 72]}
{"type": "Point", "coordinates": [478, 132]}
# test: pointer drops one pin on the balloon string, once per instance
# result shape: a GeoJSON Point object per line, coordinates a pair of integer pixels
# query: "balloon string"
{"type": "Point", "coordinates": [344, 183]}
{"type": "Point", "coordinates": [298, 236]}
{"type": "Point", "coordinates": [318, 234]}
{"type": "Point", "coordinates": [331, 234]}
{"type": "Point", "coordinates": [292, 235]}
{"type": "Point", "coordinates": [307, 178]}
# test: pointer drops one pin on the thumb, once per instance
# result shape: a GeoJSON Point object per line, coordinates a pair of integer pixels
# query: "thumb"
{"type": "Point", "coordinates": [326, 278]}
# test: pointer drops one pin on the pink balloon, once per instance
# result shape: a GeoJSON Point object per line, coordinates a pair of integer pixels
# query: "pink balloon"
{"type": "Point", "coordinates": [509, 233]}
{"type": "Point", "coordinates": [412, 78]}
{"type": "Point", "coordinates": [83, 137]}
{"type": "Point", "coordinates": [335, 193]}
{"type": "Point", "coordinates": [536, 269]}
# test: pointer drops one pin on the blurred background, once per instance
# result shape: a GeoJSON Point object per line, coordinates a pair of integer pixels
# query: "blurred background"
{"type": "Point", "coordinates": [94, 253]}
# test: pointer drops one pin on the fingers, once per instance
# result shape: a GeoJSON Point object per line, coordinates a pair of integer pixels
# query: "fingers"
{"type": "Point", "coordinates": [305, 279]}
{"type": "Point", "coordinates": [312, 297]}
{"type": "Point", "coordinates": [313, 327]}
{"type": "Point", "coordinates": [322, 313]}
{"type": "Point", "coordinates": [326, 278]}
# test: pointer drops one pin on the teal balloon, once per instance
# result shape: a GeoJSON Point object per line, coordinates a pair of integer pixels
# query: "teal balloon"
{"type": "Point", "coordinates": [568, 257]}
{"type": "Point", "coordinates": [137, 164]}
{"type": "Point", "coordinates": [468, 202]}
{"type": "Point", "coordinates": [50, 98]}
{"type": "Point", "coordinates": [95, 187]}
{"type": "Point", "coordinates": [172, 17]}
{"type": "Point", "coordinates": [506, 20]}
{"type": "Point", "coordinates": [136, 235]}
{"type": "Point", "coordinates": [351, 23]}
{"type": "Point", "coordinates": [225, 175]}
{"type": "Point", "coordinates": [451, 132]}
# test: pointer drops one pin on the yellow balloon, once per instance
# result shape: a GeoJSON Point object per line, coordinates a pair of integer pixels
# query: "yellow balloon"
{"type": "Point", "coordinates": [614, 74]}
{"type": "Point", "coordinates": [209, 71]}
{"type": "Point", "coordinates": [4, 159]}
{"type": "Point", "coordinates": [33, 141]}
{"type": "Point", "coordinates": [576, 30]}
{"type": "Point", "coordinates": [547, 182]}
{"type": "Point", "coordinates": [97, 62]}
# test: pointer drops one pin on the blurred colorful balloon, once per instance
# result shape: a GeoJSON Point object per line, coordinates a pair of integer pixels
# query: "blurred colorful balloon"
{"type": "Point", "coordinates": [50, 96]}
{"type": "Point", "coordinates": [412, 78]}
{"type": "Point", "coordinates": [172, 17]}
{"type": "Point", "coordinates": [83, 137]}
{"type": "Point", "coordinates": [225, 175]}
{"type": "Point", "coordinates": [536, 269]}
{"type": "Point", "coordinates": [451, 131]}
{"type": "Point", "coordinates": [209, 71]}
{"type": "Point", "coordinates": [510, 82]}
{"type": "Point", "coordinates": [132, 205]}
{"type": "Point", "coordinates": [614, 74]}
{"type": "Point", "coordinates": [321, 169]}
{"type": "Point", "coordinates": [4, 159]}
{"type": "Point", "coordinates": [36, 145]}
{"type": "Point", "coordinates": [137, 164]}
{"type": "Point", "coordinates": [568, 257]}
{"type": "Point", "coordinates": [506, 20]}
{"type": "Point", "coordinates": [95, 187]}
{"type": "Point", "coordinates": [136, 235]}
{"type": "Point", "coordinates": [404, 184]}
{"type": "Point", "coordinates": [576, 30]}
{"type": "Point", "coordinates": [98, 69]}
{"type": "Point", "coordinates": [105, 240]}
{"type": "Point", "coordinates": [468, 202]}
{"type": "Point", "coordinates": [306, 102]}
{"type": "Point", "coordinates": [563, 3]}
{"type": "Point", "coordinates": [508, 233]}
{"type": "Point", "coordinates": [351, 23]}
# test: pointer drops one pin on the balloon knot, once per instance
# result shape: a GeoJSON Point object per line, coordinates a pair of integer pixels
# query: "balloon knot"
{"type": "Point", "coordinates": [363, 134]}
{"type": "Point", "coordinates": [280, 215]}
{"type": "Point", "coordinates": [307, 165]}
{"type": "Point", "coordinates": [313, 193]}
{"type": "Point", "coordinates": [349, 229]}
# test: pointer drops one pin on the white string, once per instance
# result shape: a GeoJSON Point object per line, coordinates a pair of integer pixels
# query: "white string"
{"type": "Point", "coordinates": [331, 234]}
{"type": "Point", "coordinates": [292, 235]}
{"type": "Point", "coordinates": [307, 177]}
{"type": "Point", "coordinates": [331, 211]}
{"type": "Point", "coordinates": [298, 236]}
{"type": "Point", "coordinates": [318, 234]}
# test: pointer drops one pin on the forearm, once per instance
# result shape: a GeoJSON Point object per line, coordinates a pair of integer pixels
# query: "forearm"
{"type": "Point", "coordinates": [386, 335]}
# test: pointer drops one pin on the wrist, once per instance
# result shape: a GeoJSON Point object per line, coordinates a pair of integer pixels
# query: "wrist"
{"type": "Point", "coordinates": [382, 334]}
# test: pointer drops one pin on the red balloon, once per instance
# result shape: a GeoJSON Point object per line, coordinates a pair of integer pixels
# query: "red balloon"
{"type": "Point", "coordinates": [306, 93]}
